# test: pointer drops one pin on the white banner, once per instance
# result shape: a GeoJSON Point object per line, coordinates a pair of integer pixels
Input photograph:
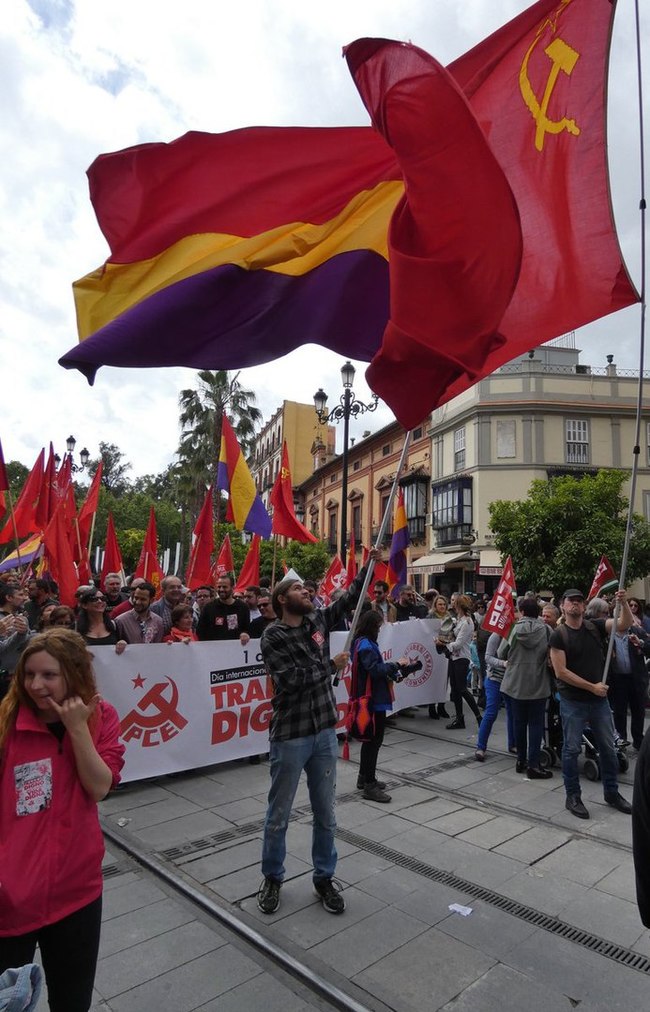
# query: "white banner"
{"type": "Point", "coordinates": [183, 706]}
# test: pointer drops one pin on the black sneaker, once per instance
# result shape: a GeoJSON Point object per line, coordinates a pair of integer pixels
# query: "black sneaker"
{"type": "Point", "coordinates": [329, 894]}
{"type": "Point", "coordinates": [268, 896]}
{"type": "Point", "coordinates": [575, 806]}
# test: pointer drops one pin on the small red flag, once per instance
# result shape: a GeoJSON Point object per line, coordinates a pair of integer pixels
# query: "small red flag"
{"type": "Point", "coordinates": [59, 558]}
{"type": "Point", "coordinates": [605, 578]}
{"type": "Point", "coordinates": [500, 614]}
{"type": "Point", "coordinates": [335, 578]}
{"type": "Point", "coordinates": [250, 571]}
{"type": "Point", "coordinates": [224, 564]}
{"type": "Point", "coordinates": [47, 499]}
{"type": "Point", "coordinates": [198, 568]}
{"type": "Point", "coordinates": [25, 511]}
{"type": "Point", "coordinates": [112, 562]}
{"type": "Point", "coordinates": [148, 565]}
{"type": "Point", "coordinates": [284, 520]}
{"type": "Point", "coordinates": [89, 507]}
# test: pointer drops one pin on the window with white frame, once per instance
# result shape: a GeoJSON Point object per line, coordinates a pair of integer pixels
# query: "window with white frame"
{"type": "Point", "coordinates": [459, 449]}
{"type": "Point", "coordinates": [577, 441]}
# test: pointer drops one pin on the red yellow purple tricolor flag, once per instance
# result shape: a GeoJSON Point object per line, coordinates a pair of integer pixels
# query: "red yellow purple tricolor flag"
{"type": "Point", "coordinates": [473, 220]}
{"type": "Point", "coordinates": [233, 476]}
{"type": "Point", "coordinates": [396, 576]}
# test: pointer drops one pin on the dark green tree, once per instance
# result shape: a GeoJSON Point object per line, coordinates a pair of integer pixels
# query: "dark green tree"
{"type": "Point", "coordinates": [557, 535]}
{"type": "Point", "coordinates": [115, 468]}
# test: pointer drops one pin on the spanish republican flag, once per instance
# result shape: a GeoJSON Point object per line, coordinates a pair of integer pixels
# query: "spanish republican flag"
{"type": "Point", "coordinates": [473, 219]}
{"type": "Point", "coordinates": [396, 577]}
{"type": "Point", "coordinates": [285, 521]}
{"type": "Point", "coordinates": [244, 505]}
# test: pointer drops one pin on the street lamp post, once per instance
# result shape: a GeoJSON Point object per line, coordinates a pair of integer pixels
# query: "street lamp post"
{"type": "Point", "coordinates": [84, 456]}
{"type": "Point", "coordinates": [347, 408]}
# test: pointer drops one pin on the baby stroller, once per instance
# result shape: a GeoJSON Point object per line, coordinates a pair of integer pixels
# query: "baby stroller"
{"type": "Point", "coordinates": [591, 768]}
{"type": "Point", "coordinates": [551, 754]}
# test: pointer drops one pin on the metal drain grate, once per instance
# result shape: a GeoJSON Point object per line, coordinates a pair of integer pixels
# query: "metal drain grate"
{"type": "Point", "coordinates": [204, 843]}
{"type": "Point", "coordinates": [626, 957]}
{"type": "Point", "coordinates": [443, 767]}
{"type": "Point", "coordinates": [113, 870]}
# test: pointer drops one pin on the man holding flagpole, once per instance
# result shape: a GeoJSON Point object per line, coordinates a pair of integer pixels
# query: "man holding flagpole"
{"type": "Point", "coordinates": [295, 650]}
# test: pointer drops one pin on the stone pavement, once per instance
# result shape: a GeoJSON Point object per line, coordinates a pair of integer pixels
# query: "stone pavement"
{"type": "Point", "coordinates": [547, 892]}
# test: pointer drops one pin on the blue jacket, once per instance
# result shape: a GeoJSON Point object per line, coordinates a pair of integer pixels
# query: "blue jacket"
{"type": "Point", "coordinates": [382, 673]}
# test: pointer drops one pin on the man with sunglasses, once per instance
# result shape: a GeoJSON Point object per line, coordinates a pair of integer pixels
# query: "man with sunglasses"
{"type": "Point", "coordinates": [266, 616]}
{"type": "Point", "coordinates": [382, 603]}
{"type": "Point", "coordinates": [578, 659]}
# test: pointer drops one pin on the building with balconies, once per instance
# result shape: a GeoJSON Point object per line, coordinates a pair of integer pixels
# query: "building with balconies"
{"type": "Point", "coordinates": [543, 414]}
{"type": "Point", "coordinates": [297, 425]}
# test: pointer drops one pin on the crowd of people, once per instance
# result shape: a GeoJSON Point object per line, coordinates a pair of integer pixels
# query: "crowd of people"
{"type": "Point", "coordinates": [60, 749]}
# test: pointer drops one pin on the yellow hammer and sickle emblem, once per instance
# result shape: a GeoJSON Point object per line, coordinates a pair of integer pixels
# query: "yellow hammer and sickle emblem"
{"type": "Point", "coordinates": [285, 473]}
{"type": "Point", "coordinates": [563, 59]}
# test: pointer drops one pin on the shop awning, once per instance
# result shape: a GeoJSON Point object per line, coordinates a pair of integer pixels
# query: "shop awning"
{"type": "Point", "coordinates": [490, 563]}
{"type": "Point", "coordinates": [427, 565]}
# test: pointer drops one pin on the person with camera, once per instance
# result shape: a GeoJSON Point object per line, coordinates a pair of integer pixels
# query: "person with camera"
{"type": "Point", "coordinates": [369, 668]}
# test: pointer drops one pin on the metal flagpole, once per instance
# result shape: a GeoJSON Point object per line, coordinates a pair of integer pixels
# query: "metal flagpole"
{"type": "Point", "coordinates": [639, 402]}
{"type": "Point", "coordinates": [388, 512]}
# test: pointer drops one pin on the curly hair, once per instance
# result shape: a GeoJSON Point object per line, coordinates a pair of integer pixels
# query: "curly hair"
{"type": "Point", "coordinates": [70, 650]}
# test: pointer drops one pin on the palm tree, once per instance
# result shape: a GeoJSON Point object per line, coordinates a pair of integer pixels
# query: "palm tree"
{"type": "Point", "coordinates": [201, 412]}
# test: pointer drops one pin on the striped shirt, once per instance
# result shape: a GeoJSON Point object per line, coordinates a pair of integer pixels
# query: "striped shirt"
{"type": "Point", "coordinates": [298, 661]}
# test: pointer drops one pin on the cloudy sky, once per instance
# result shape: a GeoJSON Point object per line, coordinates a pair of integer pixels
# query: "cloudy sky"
{"type": "Point", "coordinates": [79, 78]}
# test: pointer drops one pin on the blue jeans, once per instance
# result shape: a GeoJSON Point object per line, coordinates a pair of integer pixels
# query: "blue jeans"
{"type": "Point", "coordinates": [529, 729]}
{"type": "Point", "coordinates": [317, 754]}
{"type": "Point", "coordinates": [575, 714]}
{"type": "Point", "coordinates": [493, 699]}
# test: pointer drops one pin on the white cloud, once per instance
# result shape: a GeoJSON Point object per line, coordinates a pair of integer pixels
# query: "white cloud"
{"type": "Point", "coordinates": [80, 78]}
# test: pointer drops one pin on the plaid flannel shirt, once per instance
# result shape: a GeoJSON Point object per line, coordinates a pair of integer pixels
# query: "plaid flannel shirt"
{"type": "Point", "coordinates": [298, 661]}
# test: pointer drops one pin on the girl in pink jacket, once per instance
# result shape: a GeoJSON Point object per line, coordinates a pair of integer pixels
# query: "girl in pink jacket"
{"type": "Point", "coordinates": [59, 755]}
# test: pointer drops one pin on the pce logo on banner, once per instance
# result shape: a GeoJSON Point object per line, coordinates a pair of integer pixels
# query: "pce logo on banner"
{"type": "Point", "coordinates": [421, 654]}
{"type": "Point", "coordinates": [156, 719]}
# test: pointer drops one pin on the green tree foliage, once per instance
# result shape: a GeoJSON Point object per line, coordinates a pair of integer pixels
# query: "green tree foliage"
{"type": "Point", "coordinates": [131, 540]}
{"type": "Point", "coordinates": [114, 474]}
{"type": "Point", "coordinates": [310, 561]}
{"type": "Point", "coordinates": [557, 535]}
{"type": "Point", "coordinates": [17, 475]}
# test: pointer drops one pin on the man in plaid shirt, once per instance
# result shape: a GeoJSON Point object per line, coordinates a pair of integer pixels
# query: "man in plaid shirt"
{"type": "Point", "coordinates": [302, 732]}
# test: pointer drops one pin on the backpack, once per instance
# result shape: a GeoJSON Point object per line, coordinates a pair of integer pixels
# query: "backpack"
{"type": "Point", "coordinates": [590, 627]}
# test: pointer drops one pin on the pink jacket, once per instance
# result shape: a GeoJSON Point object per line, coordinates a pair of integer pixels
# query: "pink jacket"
{"type": "Point", "coordinates": [51, 845]}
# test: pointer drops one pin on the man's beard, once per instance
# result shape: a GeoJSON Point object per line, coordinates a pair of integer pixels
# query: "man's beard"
{"type": "Point", "coordinates": [298, 607]}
